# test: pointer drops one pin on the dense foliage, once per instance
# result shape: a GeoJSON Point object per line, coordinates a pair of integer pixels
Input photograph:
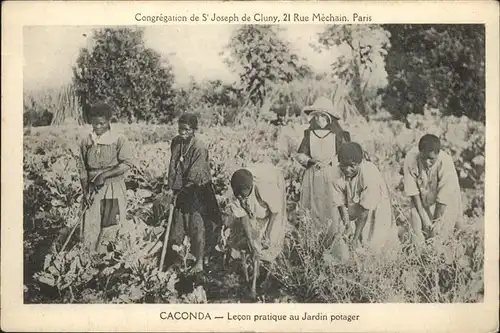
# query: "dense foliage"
{"type": "Point", "coordinates": [449, 270]}
{"type": "Point", "coordinates": [367, 47]}
{"type": "Point", "coordinates": [262, 59]}
{"type": "Point", "coordinates": [438, 65]}
{"type": "Point", "coordinates": [121, 70]}
{"type": "Point", "coordinates": [216, 102]}
{"type": "Point", "coordinates": [403, 68]}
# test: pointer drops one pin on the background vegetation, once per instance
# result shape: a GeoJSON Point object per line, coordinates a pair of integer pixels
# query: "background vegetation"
{"type": "Point", "coordinates": [427, 66]}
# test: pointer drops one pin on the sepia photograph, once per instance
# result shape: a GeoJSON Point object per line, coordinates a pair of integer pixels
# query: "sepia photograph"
{"type": "Point", "coordinates": [254, 163]}
{"type": "Point", "coordinates": [250, 166]}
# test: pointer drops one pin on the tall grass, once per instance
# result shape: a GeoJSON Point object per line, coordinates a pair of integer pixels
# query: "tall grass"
{"type": "Point", "coordinates": [56, 106]}
{"type": "Point", "coordinates": [448, 269]}
{"type": "Point", "coordinates": [59, 105]}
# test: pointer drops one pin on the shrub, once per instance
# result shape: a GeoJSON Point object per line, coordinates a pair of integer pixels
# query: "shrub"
{"type": "Point", "coordinates": [121, 71]}
{"type": "Point", "coordinates": [262, 58]}
{"type": "Point", "coordinates": [438, 65]}
{"type": "Point", "coordinates": [217, 103]}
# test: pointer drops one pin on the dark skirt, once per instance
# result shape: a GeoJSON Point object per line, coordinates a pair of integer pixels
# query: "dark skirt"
{"type": "Point", "coordinates": [197, 204]}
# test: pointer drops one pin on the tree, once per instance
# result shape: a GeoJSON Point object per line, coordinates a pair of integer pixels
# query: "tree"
{"type": "Point", "coordinates": [363, 49]}
{"type": "Point", "coordinates": [121, 71]}
{"type": "Point", "coordinates": [441, 66]}
{"type": "Point", "coordinates": [262, 59]}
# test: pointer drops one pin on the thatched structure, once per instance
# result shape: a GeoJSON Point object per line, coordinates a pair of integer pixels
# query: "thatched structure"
{"type": "Point", "coordinates": [66, 107]}
{"type": "Point", "coordinates": [298, 94]}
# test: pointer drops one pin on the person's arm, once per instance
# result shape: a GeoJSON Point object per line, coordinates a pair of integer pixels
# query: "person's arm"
{"type": "Point", "coordinates": [305, 160]}
{"type": "Point", "coordinates": [272, 195]}
{"type": "Point", "coordinates": [168, 182]}
{"type": "Point", "coordinates": [84, 180]}
{"type": "Point", "coordinates": [250, 233]}
{"type": "Point", "coordinates": [303, 155]}
{"type": "Point", "coordinates": [332, 230]}
{"type": "Point", "coordinates": [448, 187]}
{"type": "Point", "coordinates": [344, 214]}
{"type": "Point", "coordinates": [235, 209]}
{"type": "Point", "coordinates": [411, 189]}
{"type": "Point", "coordinates": [118, 170]}
{"type": "Point", "coordinates": [124, 162]}
{"type": "Point", "coordinates": [363, 216]}
{"type": "Point", "coordinates": [421, 211]}
{"type": "Point", "coordinates": [270, 225]}
{"type": "Point", "coordinates": [124, 157]}
{"type": "Point", "coordinates": [439, 211]}
{"type": "Point", "coordinates": [339, 201]}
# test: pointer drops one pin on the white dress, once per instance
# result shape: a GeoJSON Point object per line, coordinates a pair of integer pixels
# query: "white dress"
{"type": "Point", "coordinates": [317, 190]}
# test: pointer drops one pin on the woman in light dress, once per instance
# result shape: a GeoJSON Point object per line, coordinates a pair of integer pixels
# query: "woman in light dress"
{"type": "Point", "coordinates": [105, 157]}
{"type": "Point", "coordinates": [317, 153]}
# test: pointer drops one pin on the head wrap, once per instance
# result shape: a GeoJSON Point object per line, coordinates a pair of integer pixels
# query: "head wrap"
{"type": "Point", "coordinates": [189, 119]}
{"type": "Point", "coordinates": [350, 152]}
{"type": "Point", "coordinates": [241, 179]}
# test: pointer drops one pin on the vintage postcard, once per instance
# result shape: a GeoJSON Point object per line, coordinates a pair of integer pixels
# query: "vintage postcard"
{"type": "Point", "coordinates": [250, 166]}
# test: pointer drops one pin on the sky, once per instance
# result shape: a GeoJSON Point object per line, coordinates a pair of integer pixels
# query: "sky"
{"type": "Point", "coordinates": [192, 50]}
